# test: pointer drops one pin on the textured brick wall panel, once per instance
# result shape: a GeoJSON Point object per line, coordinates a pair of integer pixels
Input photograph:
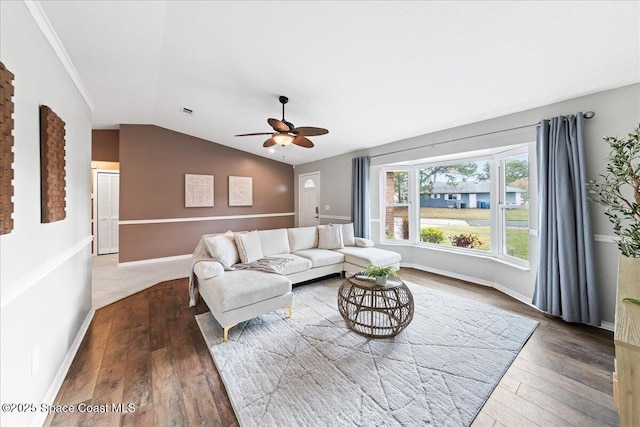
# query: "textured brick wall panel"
{"type": "Point", "coordinates": [6, 150]}
{"type": "Point", "coordinates": [52, 166]}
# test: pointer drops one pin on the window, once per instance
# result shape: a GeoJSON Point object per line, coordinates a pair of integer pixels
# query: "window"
{"type": "Point", "coordinates": [456, 220]}
{"type": "Point", "coordinates": [396, 201]}
{"type": "Point", "coordinates": [309, 183]}
{"type": "Point", "coordinates": [479, 204]}
{"type": "Point", "coordinates": [514, 207]}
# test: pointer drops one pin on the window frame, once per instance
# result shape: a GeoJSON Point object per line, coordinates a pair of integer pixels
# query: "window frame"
{"type": "Point", "coordinates": [384, 205]}
{"type": "Point", "coordinates": [503, 207]}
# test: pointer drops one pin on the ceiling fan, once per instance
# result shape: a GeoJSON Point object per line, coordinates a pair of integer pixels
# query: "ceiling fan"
{"type": "Point", "coordinates": [286, 133]}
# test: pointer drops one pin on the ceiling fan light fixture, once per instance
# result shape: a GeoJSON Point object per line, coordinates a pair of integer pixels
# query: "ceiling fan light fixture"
{"type": "Point", "coordinates": [283, 139]}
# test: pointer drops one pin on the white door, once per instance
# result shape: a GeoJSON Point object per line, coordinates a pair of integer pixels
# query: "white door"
{"type": "Point", "coordinates": [309, 199]}
{"type": "Point", "coordinates": [107, 209]}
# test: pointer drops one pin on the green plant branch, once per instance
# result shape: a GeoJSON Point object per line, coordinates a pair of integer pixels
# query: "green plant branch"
{"type": "Point", "coordinates": [633, 300]}
{"type": "Point", "coordinates": [623, 172]}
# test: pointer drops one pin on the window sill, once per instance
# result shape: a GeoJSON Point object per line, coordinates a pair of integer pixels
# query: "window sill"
{"type": "Point", "coordinates": [471, 253]}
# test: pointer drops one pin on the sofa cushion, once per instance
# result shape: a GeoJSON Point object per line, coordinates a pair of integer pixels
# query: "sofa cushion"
{"type": "Point", "coordinates": [274, 241]}
{"type": "Point", "coordinates": [249, 246]}
{"type": "Point", "coordinates": [208, 269]}
{"type": "Point", "coordinates": [330, 236]}
{"type": "Point", "coordinates": [365, 257]}
{"type": "Point", "coordinates": [363, 243]}
{"type": "Point", "coordinates": [302, 238]}
{"type": "Point", "coordinates": [245, 287]}
{"type": "Point", "coordinates": [348, 235]}
{"type": "Point", "coordinates": [223, 248]}
{"type": "Point", "coordinates": [296, 264]}
{"type": "Point", "coordinates": [321, 257]}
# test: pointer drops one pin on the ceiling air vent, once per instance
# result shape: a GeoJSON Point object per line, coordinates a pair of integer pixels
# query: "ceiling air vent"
{"type": "Point", "coordinates": [186, 111]}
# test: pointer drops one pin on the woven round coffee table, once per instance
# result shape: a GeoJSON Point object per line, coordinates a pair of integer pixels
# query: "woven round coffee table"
{"type": "Point", "coordinates": [375, 311]}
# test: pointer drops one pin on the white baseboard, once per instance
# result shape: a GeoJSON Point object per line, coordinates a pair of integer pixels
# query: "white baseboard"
{"type": "Point", "coordinates": [54, 388]}
{"type": "Point", "coordinates": [153, 260]}
{"type": "Point", "coordinates": [449, 274]}
{"type": "Point", "coordinates": [608, 326]}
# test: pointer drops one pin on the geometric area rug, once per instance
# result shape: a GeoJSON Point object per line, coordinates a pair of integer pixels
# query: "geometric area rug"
{"type": "Point", "coordinates": [311, 370]}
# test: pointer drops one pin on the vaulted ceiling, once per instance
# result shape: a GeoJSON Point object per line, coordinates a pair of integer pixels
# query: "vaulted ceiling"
{"type": "Point", "coordinates": [370, 72]}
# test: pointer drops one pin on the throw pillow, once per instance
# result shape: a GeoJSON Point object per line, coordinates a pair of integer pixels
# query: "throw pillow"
{"type": "Point", "coordinates": [348, 235]}
{"type": "Point", "coordinates": [249, 246]}
{"type": "Point", "coordinates": [223, 248]}
{"type": "Point", "coordinates": [330, 236]}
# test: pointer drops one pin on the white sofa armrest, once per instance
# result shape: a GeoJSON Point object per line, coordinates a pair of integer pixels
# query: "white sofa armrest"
{"type": "Point", "coordinates": [363, 243]}
{"type": "Point", "coordinates": [208, 269]}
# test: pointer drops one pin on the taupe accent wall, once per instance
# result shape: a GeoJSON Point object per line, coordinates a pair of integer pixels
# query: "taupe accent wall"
{"type": "Point", "coordinates": [153, 162]}
{"type": "Point", "coordinates": [105, 145]}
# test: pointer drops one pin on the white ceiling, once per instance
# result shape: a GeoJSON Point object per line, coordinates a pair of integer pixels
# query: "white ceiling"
{"type": "Point", "coordinates": [370, 72]}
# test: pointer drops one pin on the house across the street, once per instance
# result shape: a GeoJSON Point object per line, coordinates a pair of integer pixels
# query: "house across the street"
{"type": "Point", "coordinates": [466, 195]}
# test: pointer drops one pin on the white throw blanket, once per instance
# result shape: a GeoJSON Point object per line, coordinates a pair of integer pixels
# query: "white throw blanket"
{"type": "Point", "coordinates": [267, 264]}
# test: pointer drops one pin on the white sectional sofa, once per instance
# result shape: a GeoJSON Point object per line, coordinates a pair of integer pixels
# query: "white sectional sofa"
{"type": "Point", "coordinates": [236, 295]}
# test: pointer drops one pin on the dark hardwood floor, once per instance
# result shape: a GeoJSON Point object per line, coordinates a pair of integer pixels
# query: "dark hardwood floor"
{"type": "Point", "coordinates": [148, 350]}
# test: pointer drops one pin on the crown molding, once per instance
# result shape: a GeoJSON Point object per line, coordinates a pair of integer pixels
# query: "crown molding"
{"type": "Point", "coordinates": [50, 34]}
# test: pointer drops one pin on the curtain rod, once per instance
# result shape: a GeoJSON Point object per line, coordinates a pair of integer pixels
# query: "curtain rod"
{"type": "Point", "coordinates": [588, 115]}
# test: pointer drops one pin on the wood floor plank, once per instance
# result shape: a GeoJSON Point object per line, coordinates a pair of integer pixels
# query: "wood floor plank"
{"type": "Point", "coordinates": [483, 420]}
{"type": "Point", "coordinates": [601, 397]}
{"type": "Point", "coordinates": [503, 413]}
{"type": "Point", "coordinates": [138, 388]}
{"type": "Point", "coordinates": [580, 397]}
{"type": "Point", "coordinates": [168, 406]}
{"type": "Point", "coordinates": [527, 409]}
{"type": "Point", "coordinates": [510, 383]}
{"type": "Point", "coordinates": [199, 403]}
{"type": "Point", "coordinates": [575, 370]}
{"type": "Point", "coordinates": [91, 350]}
{"type": "Point", "coordinates": [142, 416]}
{"type": "Point", "coordinates": [565, 412]}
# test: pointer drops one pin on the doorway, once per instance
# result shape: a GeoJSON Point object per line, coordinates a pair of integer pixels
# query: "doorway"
{"type": "Point", "coordinates": [107, 211]}
{"type": "Point", "coordinates": [309, 199]}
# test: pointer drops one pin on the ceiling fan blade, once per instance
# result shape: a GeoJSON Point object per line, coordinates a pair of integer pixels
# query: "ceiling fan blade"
{"type": "Point", "coordinates": [302, 142]}
{"type": "Point", "coordinates": [278, 125]}
{"type": "Point", "coordinates": [257, 133]}
{"type": "Point", "coordinates": [310, 131]}
{"type": "Point", "coordinates": [269, 142]}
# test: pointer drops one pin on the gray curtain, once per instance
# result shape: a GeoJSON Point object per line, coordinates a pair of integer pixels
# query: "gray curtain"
{"type": "Point", "coordinates": [360, 196]}
{"type": "Point", "coordinates": [566, 279]}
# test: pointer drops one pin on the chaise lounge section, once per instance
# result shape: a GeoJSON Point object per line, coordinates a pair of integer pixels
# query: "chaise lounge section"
{"type": "Point", "coordinates": [237, 291]}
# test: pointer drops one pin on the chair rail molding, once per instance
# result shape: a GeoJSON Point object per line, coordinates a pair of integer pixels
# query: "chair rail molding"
{"type": "Point", "coordinates": [203, 218]}
{"type": "Point", "coordinates": [35, 276]}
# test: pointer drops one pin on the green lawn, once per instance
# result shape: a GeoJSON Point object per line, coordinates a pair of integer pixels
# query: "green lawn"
{"type": "Point", "coordinates": [517, 238]}
{"type": "Point", "coordinates": [463, 214]}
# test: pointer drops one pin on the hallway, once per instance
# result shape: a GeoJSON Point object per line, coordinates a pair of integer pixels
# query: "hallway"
{"type": "Point", "coordinates": [111, 282]}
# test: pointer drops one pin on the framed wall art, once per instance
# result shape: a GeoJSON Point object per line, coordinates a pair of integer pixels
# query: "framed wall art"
{"type": "Point", "coordinates": [6, 150]}
{"type": "Point", "coordinates": [52, 166]}
{"type": "Point", "coordinates": [198, 191]}
{"type": "Point", "coordinates": [240, 191]}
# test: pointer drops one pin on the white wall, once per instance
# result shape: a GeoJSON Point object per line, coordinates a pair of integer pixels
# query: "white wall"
{"type": "Point", "coordinates": [617, 113]}
{"type": "Point", "coordinates": [45, 269]}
